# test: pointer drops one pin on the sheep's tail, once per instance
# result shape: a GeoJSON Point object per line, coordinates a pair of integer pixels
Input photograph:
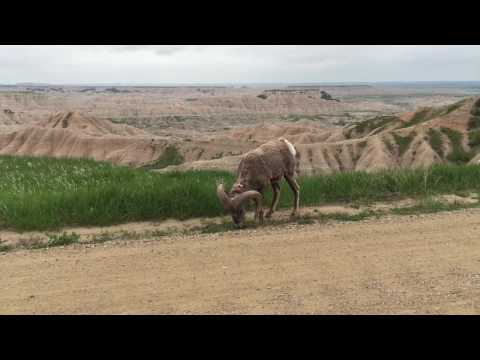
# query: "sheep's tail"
{"type": "Point", "coordinates": [297, 161]}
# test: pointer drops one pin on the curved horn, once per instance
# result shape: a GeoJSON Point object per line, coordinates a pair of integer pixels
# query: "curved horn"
{"type": "Point", "coordinates": [247, 195]}
{"type": "Point", "coordinates": [224, 199]}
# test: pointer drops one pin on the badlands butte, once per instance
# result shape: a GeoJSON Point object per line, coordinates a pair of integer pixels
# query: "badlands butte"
{"type": "Point", "coordinates": [335, 128]}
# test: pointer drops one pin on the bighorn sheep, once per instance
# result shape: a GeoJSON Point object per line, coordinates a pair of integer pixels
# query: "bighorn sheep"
{"type": "Point", "coordinates": [258, 169]}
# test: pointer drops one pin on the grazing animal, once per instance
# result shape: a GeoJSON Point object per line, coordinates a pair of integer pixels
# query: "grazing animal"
{"type": "Point", "coordinates": [265, 166]}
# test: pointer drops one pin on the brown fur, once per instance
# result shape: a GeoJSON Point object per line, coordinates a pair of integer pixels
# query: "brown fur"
{"type": "Point", "coordinates": [266, 164]}
{"type": "Point", "coordinates": [260, 168]}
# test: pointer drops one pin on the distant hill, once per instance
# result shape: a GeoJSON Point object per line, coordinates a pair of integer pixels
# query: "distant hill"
{"type": "Point", "coordinates": [447, 134]}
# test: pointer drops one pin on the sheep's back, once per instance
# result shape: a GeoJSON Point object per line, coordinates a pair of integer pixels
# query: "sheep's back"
{"type": "Point", "coordinates": [271, 161]}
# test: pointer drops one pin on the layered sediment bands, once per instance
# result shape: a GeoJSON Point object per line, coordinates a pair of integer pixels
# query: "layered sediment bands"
{"type": "Point", "coordinates": [384, 142]}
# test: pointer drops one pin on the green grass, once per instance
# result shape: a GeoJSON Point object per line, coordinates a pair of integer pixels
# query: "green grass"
{"type": "Point", "coordinates": [170, 156]}
{"type": "Point", "coordinates": [43, 194]}
{"type": "Point", "coordinates": [435, 140]}
{"type": "Point", "coordinates": [458, 154]}
{"type": "Point", "coordinates": [48, 194]}
{"type": "Point", "coordinates": [403, 142]}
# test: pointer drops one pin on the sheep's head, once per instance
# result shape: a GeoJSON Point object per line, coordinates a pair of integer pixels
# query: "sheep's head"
{"type": "Point", "coordinates": [235, 204]}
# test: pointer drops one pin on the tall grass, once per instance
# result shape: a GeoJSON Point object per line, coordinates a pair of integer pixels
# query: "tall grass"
{"type": "Point", "coordinates": [43, 194]}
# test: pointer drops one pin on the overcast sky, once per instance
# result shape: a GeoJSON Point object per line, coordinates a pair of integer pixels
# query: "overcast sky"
{"type": "Point", "coordinates": [236, 63]}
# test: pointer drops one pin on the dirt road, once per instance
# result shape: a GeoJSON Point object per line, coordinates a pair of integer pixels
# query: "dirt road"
{"type": "Point", "coordinates": [395, 265]}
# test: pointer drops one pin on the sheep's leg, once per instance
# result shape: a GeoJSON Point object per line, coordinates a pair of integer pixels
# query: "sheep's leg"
{"type": "Point", "coordinates": [296, 191]}
{"type": "Point", "coordinates": [276, 198]}
{"type": "Point", "coordinates": [258, 211]}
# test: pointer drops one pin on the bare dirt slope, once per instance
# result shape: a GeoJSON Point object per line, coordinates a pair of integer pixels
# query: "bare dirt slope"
{"type": "Point", "coordinates": [70, 134]}
{"type": "Point", "coordinates": [410, 140]}
{"type": "Point", "coordinates": [399, 265]}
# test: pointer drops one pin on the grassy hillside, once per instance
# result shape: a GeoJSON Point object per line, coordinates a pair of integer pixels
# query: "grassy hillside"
{"type": "Point", "coordinates": [43, 194]}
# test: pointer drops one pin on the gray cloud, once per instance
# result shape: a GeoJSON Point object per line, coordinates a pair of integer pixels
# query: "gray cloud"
{"type": "Point", "coordinates": [236, 63]}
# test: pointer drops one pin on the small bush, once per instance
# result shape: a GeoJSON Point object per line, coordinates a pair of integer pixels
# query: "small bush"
{"type": "Point", "coordinates": [5, 247]}
{"type": "Point", "coordinates": [170, 156]}
{"type": "Point", "coordinates": [63, 239]}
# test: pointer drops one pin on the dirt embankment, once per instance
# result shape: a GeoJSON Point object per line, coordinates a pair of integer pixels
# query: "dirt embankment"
{"type": "Point", "coordinates": [396, 265]}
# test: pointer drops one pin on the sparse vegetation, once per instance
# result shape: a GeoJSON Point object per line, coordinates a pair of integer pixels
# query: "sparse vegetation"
{"type": "Point", "coordinates": [458, 154]}
{"type": "Point", "coordinates": [474, 140]}
{"type": "Point", "coordinates": [476, 108]}
{"type": "Point", "coordinates": [47, 194]}
{"type": "Point", "coordinates": [33, 242]}
{"type": "Point", "coordinates": [388, 144]}
{"type": "Point", "coordinates": [435, 140]}
{"type": "Point", "coordinates": [427, 114]}
{"type": "Point", "coordinates": [378, 124]}
{"type": "Point", "coordinates": [403, 142]}
{"type": "Point", "coordinates": [474, 123]}
{"type": "Point", "coordinates": [5, 247]}
{"type": "Point", "coordinates": [171, 156]}
{"type": "Point", "coordinates": [362, 144]}
{"type": "Point", "coordinates": [429, 206]}
{"type": "Point", "coordinates": [63, 239]}
{"type": "Point", "coordinates": [218, 156]}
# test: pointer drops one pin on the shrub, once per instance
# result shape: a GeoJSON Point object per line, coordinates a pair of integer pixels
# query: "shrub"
{"type": "Point", "coordinates": [63, 239]}
{"type": "Point", "coordinates": [170, 156]}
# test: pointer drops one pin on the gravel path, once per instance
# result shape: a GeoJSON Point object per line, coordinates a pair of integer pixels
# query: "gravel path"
{"type": "Point", "coordinates": [428, 264]}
